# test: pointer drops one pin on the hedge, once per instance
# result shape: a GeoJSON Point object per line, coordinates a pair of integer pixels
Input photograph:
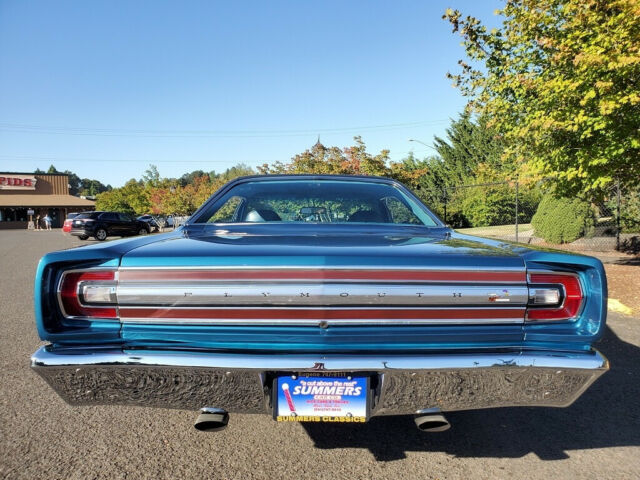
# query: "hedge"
{"type": "Point", "coordinates": [563, 220]}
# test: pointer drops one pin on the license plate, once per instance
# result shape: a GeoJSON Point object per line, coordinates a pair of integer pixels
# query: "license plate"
{"type": "Point", "coordinates": [321, 399]}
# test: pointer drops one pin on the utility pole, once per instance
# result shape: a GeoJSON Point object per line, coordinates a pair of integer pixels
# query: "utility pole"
{"type": "Point", "coordinates": [618, 201]}
{"type": "Point", "coordinates": [517, 183]}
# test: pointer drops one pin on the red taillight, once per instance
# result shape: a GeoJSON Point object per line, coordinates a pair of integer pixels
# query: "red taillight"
{"type": "Point", "coordinates": [71, 290]}
{"type": "Point", "coordinates": [571, 297]}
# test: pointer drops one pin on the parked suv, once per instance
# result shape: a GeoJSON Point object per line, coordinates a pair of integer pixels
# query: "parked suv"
{"type": "Point", "coordinates": [104, 224]}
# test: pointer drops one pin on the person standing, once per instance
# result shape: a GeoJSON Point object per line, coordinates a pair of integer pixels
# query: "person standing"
{"type": "Point", "coordinates": [38, 222]}
{"type": "Point", "coordinates": [47, 221]}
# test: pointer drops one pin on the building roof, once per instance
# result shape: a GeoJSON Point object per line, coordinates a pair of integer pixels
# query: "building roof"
{"type": "Point", "coordinates": [44, 201]}
{"type": "Point", "coordinates": [58, 174]}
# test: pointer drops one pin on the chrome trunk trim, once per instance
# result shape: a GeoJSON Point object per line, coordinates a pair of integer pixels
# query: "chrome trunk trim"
{"type": "Point", "coordinates": [317, 294]}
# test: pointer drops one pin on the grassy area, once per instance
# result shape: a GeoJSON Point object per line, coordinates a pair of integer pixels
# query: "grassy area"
{"type": "Point", "coordinates": [524, 229]}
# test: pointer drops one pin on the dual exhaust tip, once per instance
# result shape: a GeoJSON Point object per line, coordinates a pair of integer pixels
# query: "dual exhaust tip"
{"type": "Point", "coordinates": [431, 420]}
{"type": "Point", "coordinates": [213, 419]}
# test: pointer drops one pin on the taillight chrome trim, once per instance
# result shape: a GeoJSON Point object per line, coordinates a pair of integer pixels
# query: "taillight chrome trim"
{"type": "Point", "coordinates": [78, 294]}
{"type": "Point", "coordinates": [572, 315]}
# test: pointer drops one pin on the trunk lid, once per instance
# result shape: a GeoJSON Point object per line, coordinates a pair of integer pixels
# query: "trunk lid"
{"type": "Point", "coordinates": [339, 291]}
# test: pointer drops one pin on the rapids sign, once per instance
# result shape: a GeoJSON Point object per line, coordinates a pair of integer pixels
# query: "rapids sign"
{"type": "Point", "coordinates": [17, 182]}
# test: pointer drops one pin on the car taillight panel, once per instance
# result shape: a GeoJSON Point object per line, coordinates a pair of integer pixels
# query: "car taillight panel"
{"type": "Point", "coordinates": [91, 295]}
{"type": "Point", "coordinates": [88, 294]}
{"type": "Point", "coordinates": [553, 297]}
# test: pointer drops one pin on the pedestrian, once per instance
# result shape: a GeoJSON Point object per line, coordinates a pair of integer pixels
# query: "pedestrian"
{"type": "Point", "coordinates": [38, 222]}
{"type": "Point", "coordinates": [47, 221]}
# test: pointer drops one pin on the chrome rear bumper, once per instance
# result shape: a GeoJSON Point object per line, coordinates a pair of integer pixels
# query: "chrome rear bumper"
{"type": "Point", "coordinates": [240, 383]}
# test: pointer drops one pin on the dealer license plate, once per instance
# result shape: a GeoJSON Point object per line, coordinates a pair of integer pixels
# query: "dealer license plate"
{"type": "Point", "coordinates": [321, 399]}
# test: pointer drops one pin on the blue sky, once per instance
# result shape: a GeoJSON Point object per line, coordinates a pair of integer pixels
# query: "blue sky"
{"type": "Point", "coordinates": [105, 88]}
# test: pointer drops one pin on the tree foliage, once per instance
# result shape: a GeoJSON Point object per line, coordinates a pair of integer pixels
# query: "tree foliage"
{"type": "Point", "coordinates": [133, 198]}
{"type": "Point", "coordinates": [470, 179]}
{"type": "Point", "coordinates": [78, 186]}
{"type": "Point", "coordinates": [353, 160]}
{"type": "Point", "coordinates": [559, 82]}
{"type": "Point", "coordinates": [167, 196]}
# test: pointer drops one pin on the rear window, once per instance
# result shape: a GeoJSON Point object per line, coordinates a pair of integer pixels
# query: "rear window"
{"type": "Point", "coordinates": [93, 215]}
{"type": "Point", "coordinates": [317, 201]}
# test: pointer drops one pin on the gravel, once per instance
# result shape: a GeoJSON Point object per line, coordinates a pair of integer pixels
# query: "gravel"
{"type": "Point", "coordinates": [42, 437]}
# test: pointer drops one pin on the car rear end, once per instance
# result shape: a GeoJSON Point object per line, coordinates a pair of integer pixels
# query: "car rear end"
{"type": "Point", "coordinates": [84, 224]}
{"type": "Point", "coordinates": [442, 332]}
{"type": "Point", "coordinates": [68, 222]}
{"type": "Point", "coordinates": [319, 299]}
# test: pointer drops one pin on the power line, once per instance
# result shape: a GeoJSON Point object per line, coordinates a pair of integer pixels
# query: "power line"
{"type": "Point", "coordinates": [123, 160]}
{"type": "Point", "coordinates": [58, 130]}
{"type": "Point", "coordinates": [151, 161]}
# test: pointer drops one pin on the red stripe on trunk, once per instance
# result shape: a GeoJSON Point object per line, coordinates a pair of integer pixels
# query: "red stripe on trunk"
{"type": "Point", "coordinates": [322, 274]}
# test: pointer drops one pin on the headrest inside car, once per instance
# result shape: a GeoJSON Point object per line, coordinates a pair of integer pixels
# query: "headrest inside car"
{"type": "Point", "coordinates": [262, 215]}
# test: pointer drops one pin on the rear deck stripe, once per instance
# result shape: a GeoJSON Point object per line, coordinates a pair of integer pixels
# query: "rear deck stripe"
{"type": "Point", "coordinates": [170, 275]}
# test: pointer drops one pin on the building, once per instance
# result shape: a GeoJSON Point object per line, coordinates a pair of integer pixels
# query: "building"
{"type": "Point", "coordinates": [27, 195]}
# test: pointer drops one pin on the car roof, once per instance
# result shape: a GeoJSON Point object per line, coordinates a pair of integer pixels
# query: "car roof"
{"type": "Point", "coordinates": [313, 176]}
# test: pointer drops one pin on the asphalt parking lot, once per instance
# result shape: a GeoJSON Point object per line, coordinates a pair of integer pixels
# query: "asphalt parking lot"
{"type": "Point", "coordinates": [42, 437]}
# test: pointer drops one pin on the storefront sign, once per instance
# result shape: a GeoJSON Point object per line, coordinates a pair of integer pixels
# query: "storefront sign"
{"type": "Point", "coordinates": [17, 182]}
{"type": "Point", "coordinates": [30, 211]}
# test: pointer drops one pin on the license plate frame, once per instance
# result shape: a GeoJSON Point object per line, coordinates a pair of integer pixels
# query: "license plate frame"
{"type": "Point", "coordinates": [321, 404]}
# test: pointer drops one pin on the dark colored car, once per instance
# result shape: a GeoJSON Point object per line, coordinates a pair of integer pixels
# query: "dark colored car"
{"type": "Point", "coordinates": [104, 224]}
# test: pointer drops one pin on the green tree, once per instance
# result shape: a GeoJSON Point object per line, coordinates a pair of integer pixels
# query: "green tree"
{"type": "Point", "coordinates": [151, 176]}
{"type": "Point", "coordinates": [188, 178]}
{"type": "Point", "coordinates": [133, 198]}
{"type": "Point", "coordinates": [91, 188]}
{"type": "Point", "coordinates": [113, 201]}
{"type": "Point", "coordinates": [239, 170]}
{"type": "Point", "coordinates": [469, 154]}
{"type": "Point", "coordinates": [79, 186]}
{"type": "Point", "coordinates": [354, 160]}
{"type": "Point", "coordinates": [467, 145]}
{"type": "Point", "coordinates": [559, 82]}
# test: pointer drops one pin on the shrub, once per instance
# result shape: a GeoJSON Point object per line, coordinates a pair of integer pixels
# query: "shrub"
{"type": "Point", "coordinates": [484, 206]}
{"type": "Point", "coordinates": [563, 220]}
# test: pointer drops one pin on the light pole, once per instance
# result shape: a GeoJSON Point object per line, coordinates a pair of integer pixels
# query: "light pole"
{"type": "Point", "coordinates": [172, 189]}
{"type": "Point", "coordinates": [422, 143]}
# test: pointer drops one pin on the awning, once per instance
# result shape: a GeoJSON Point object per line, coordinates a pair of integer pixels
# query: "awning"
{"type": "Point", "coordinates": [22, 201]}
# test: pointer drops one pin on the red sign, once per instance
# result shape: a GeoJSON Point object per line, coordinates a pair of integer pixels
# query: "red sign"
{"type": "Point", "coordinates": [17, 182]}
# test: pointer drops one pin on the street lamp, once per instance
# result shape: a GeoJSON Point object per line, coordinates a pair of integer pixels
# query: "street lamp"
{"type": "Point", "coordinates": [422, 143]}
{"type": "Point", "coordinates": [172, 189]}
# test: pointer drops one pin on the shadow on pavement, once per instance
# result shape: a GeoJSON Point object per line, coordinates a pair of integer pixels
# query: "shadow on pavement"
{"type": "Point", "coordinates": [634, 261]}
{"type": "Point", "coordinates": [607, 415]}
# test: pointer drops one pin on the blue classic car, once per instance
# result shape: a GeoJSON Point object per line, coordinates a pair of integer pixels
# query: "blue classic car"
{"type": "Point", "coordinates": [318, 298]}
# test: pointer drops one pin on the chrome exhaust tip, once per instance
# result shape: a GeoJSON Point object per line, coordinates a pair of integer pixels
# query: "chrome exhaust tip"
{"type": "Point", "coordinates": [431, 420]}
{"type": "Point", "coordinates": [212, 419]}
